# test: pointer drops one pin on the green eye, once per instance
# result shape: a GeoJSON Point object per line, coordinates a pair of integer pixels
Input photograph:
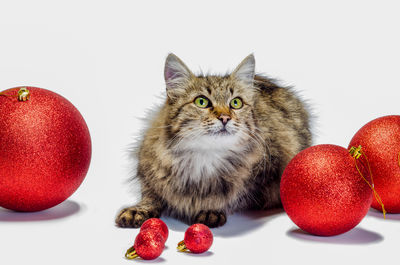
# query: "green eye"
{"type": "Point", "coordinates": [201, 102]}
{"type": "Point", "coordinates": [236, 103]}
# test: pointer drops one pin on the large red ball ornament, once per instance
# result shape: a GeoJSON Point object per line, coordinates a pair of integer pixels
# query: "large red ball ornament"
{"type": "Point", "coordinates": [380, 141]}
{"type": "Point", "coordinates": [322, 191]}
{"type": "Point", "coordinates": [45, 149]}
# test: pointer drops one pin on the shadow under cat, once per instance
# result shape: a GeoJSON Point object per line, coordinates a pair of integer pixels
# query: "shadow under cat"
{"type": "Point", "coordinates": [237, 224]}
{"type": "Point", "coordinates": [63, 210]}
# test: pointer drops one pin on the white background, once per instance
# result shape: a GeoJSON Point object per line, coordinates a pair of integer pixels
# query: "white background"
{"type": "Point", "coordinates": [107, 58]}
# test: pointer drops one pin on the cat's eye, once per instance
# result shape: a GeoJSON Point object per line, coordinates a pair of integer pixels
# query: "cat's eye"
{"type": "Point", "coordinates": [236, 103]}
{"type": "Point", "coordinates": [202, 102]}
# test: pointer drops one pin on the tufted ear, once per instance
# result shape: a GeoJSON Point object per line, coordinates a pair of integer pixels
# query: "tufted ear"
{"type": "Point", "coordinates": [176, 73]}
{"type": "Point", "coordinates": [245, 70]}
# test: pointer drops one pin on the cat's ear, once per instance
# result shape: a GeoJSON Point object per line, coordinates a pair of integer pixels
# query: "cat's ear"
{"type": "Point", "coordinates": [245, 71]}
{"type": "Point", "coordinates": [176, 73]}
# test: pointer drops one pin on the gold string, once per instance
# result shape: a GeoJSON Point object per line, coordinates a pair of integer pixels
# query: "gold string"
{"type": "Point", "coordinates": [398, 158]}
{"type": "Point", "coordinates": [23, 94]}
{"type": "Point", "coordinates": [356, 153]}
{"type": "Point", "coordinates": [10, 96]}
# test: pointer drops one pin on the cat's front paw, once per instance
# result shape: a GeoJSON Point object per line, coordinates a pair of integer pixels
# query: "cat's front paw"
{"type": "Point", "coordinates": [133, 217]}
{"type": "Point", "coordinates": [211, 218]}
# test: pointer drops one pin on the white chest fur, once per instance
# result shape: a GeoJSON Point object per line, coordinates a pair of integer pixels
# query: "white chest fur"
{"type": "Point", "coordinates": [205, 157]}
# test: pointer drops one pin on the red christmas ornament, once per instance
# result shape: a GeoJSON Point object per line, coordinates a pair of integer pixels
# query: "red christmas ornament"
{"type": "Point", "coordinates": [198, 239]}
{"type": "Point", "coordinates": [322, 191]}
{"type": "Point", "coordinates": [45, 149]}
{"type": "Point", "coordinates": [380, 141]}
{"type": "Point", "coordinates": [149, 244]}
{"type": "Point", "coordinates": [156, 224]}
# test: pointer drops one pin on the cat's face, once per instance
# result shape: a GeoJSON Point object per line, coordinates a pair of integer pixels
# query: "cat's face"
{"type": "Point", "coordinates": [211, 112]}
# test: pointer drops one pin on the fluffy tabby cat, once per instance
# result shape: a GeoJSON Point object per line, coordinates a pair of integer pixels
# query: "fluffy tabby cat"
{"type": "Point", "coordinates": [219, 144]}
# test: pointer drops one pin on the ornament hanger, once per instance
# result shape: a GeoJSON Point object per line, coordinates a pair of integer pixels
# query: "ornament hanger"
{"type": "Point", "coordinates": [23, 94]}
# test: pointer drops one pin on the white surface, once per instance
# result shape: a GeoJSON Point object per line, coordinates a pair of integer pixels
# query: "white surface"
{"type": "Point", "coordinates": [107, 59]}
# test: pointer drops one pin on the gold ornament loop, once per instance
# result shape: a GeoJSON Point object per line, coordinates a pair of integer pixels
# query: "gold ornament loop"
{"type": "Point", "coordinates": [131, 253]}
{"type": "Point", "coordinates": [23, 94]}
{"type": "Point", "coordinates": [182, 247]}
{"type": "Point", "coordinates": [355, 151]}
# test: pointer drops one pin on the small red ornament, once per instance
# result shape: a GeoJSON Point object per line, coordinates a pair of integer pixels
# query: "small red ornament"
{"type": "Point", "coordinates": [149, 244]}
{"type": "Point", "coordinates": [380, 141]}
{"type": "Point", "coordinates": [322, 191]}
{"type": "Point", "coordinates": [156, 224]}
{"type": "Point", "coordinates": [198, 239]}
{"type": "Point", "coordinates": [45, 149]}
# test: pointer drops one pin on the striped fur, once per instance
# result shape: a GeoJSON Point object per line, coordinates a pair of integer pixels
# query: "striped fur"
{"type": "Point", "coordinates": [192, 167]}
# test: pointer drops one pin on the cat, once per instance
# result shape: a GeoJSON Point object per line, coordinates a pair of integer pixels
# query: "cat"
{"type": "Point", "coordinates": [217, 145]}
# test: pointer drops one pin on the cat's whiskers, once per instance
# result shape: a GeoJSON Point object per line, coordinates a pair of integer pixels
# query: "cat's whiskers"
{"type": "Point", "coordinates": [163, 127]}
{"type": "Point", "coordinates": [149, 133]}
{"type": "Point", "coordinates": [253, 136]}
{"type": "Point", "coordinates": [186, 135]}
{"type": "Point", "coordinates": [262, 145]}
{"type": "Point", "coordinates": [206, 155]}
{"type": "Point", "coordinates": [170, 142]}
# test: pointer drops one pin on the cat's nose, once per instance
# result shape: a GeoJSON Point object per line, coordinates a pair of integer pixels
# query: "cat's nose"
{"type": "Point", "coordinates": [224, 118]}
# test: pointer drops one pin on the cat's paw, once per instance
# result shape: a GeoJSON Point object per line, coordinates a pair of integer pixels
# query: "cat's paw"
{"type": "Point", "coordinates": [211, 218]}
{"type": "Point", "coordinates": [133, 217]}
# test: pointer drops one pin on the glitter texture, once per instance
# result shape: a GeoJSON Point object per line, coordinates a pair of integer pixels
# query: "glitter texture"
{"type": "Point", "coordinates": [149, 244]}
{"type": "Point", "coordinates": [45, 150]}
{"type": "Point", "coordinates": [156, 224]}
{"type": "Point", "coordinates": [380, 141]}
{"type": "Point", "coordinates": [323, 193]}
{"type": "Point", "coordinates": [198, 238]}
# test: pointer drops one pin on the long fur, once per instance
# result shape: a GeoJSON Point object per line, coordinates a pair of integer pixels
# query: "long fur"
{"type": "Point", "coordinates": [193, 167]}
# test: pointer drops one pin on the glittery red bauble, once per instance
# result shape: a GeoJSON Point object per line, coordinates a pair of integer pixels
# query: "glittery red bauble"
{"type": "Point", "coordinates": [198, 238]}
{"type": "Point", "coordinates": [380, 141]}
{"type": "Point", "coordinates": [149, 244]}
{"type": "Point", "coordinates": [157, 225]}
{"type": "Point", "coordinates": [45, 150]}
{"type": "Point", "coordinates": [322, 191]}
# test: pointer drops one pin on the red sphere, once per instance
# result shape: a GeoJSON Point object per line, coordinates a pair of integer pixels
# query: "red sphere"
{"type": "Point", "coordinates": [322, 191]}
{"type": "Point", "coordinates": [198, 238]}
{"type": "Point", "coordinates": [45, 150]}
{"type": "Point", "coordinates": [380, 141]}
{"type": "Point", "coordinates": [156, 224]}
{"type": "Point", "coordinates": [149, 244]}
